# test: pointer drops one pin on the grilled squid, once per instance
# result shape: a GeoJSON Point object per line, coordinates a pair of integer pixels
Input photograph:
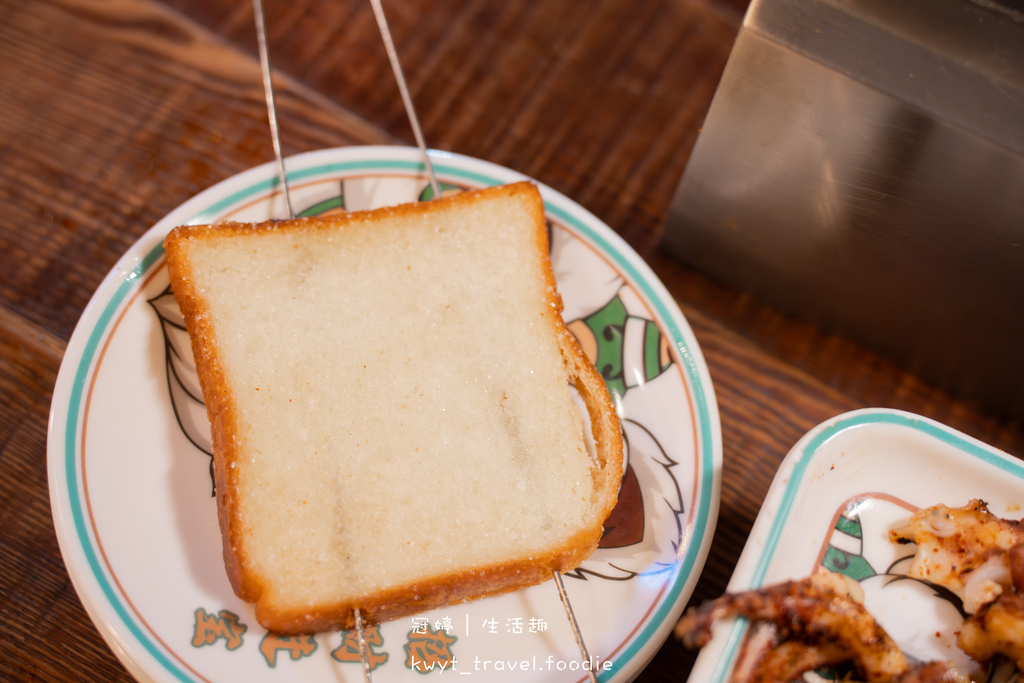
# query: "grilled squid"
{"type": "Point", "coordinates": [997, 629]}
{"type": "Point", "coordinates": [968, 550]}
{"type": "Point", "coordinates": [805, 624]}
{"type": "Point", "coordinates": [980, 557]}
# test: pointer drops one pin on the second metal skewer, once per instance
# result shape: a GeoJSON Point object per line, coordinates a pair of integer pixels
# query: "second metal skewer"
{"type": "Point", "coordinates": [403, 89]}
{"type": "Point", "coordinates": [571, 616]}
{"type": "Point", "coordinates": [364, 649]}
{"type": "Point", "coordinates": [268, 90]}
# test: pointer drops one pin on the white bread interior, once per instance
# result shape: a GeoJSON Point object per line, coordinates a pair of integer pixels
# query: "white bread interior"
{"type": "Point", "coordinates": [389, 395]}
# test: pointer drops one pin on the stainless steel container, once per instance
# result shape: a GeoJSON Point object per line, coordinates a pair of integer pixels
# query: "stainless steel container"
{"type": "Point", "coordinates": [862, 167]}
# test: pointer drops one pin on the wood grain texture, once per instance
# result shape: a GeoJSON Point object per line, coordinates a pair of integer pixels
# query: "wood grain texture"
{"type": "Point", "coordinates": [600, 100]}
{"type": "Point", "coordinates": [117, 111]}
{"type": "Point", "coordinates": [123, 110]}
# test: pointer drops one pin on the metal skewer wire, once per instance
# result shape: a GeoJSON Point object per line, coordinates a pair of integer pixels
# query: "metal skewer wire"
{"type": "Point", "coordinates": [575, 627]}
{"type": "Point", "coordinates": [268, 89]}
{"type": "Point", "coordinates": [364, 650]}
{"type": "Point", "coordinates": [403, 90]}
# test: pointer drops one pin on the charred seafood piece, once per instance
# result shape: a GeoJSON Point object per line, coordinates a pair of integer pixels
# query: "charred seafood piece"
{"type": "Point", "coordinates": [800, 626]}
{"type": "Point", "coordinates": [968, 550]}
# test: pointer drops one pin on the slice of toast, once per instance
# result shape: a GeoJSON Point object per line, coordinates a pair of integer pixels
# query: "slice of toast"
{"type": "Point", "coordinates": [390, 398]}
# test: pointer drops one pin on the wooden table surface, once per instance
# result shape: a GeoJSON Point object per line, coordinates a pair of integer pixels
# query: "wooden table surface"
{"type": "Point", "coordinates": [114, 112]}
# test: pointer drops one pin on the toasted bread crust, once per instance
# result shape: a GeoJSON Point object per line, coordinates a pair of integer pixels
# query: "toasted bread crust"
{"type": "Point", "coordinates": [220, 403]}
{"type": "Point", "coordinates": [228, 444]}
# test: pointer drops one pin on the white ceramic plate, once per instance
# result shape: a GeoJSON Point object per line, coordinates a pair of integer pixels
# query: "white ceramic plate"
{"type": "Point", "coordinates": [131, 490]}
{"type": "Point", "coordinates": [837, 494]}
